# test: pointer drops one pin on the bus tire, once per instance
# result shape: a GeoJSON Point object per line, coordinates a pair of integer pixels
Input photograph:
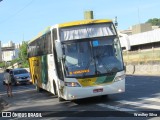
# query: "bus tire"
{"type": "Point", "coordinates": [38, 89]}
{"type": "Point", "coordinates": [60, 99]}
{"type": "Point", "coordinates": [104, 96]}
{"type": "Point", "coordinates": [55, 88]}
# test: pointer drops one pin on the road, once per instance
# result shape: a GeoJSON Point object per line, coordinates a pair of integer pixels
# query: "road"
{"type": "Point", "coordinates": [142, 96]}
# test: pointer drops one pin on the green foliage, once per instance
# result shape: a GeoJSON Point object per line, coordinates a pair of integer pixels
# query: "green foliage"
{"type": "Point", "coordinates": [17, 60]}
{"type": "Point", "coordinates": [154, 21]}
{"type": "Point", "coordinates": [2, 64]}
{"type": "Point", "coordinates": [22, 60]}
{"type": "Point", "coordinates": [23, 51]}
{"type": "Point", "coordinates": [25, 65]}
{"type": "Point", "coordinates": [23, 54]}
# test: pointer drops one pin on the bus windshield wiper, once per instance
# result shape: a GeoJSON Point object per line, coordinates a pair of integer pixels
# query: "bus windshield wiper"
{"type": "Point", "coordinates": [87, 66]}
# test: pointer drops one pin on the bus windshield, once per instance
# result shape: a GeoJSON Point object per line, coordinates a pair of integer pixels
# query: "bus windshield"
{"type": "Point", "coordinates": [92, 56]}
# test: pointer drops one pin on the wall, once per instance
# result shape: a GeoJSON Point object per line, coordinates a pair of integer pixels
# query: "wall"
{"type": "Point", "coordinates": [143, 69]}
{"type": "Point", "coordinates": [139, 28]}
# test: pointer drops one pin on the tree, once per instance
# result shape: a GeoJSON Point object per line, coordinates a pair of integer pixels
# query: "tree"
{"type": "Point", "coordinates": [2, 64]}
{"type": "Point", "coordinates": [23, 54]}
{"type": "Point", "coordinates": [154, 21]}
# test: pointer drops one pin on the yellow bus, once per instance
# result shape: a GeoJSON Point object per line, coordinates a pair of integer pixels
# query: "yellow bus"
{"type": "Point", "coordinates": [79, 59]}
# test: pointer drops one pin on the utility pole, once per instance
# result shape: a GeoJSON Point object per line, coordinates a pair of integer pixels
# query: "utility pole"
{"type": "Point", "coordinates": [88, 15]}
{"type": "Point", "coordinates": [115, 22]}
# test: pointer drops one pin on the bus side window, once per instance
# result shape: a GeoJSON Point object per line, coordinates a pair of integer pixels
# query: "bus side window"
{"type": "Point", "coordinates": [49, 43]}
{"type": "Point", "coordinates": [28, 51]}
{"type": "Point", "coordinates": [57, 62]}
{"type": "Point", "coordinates": [36, 48]}
{"type": "Point", "coordinates": [54, 34]}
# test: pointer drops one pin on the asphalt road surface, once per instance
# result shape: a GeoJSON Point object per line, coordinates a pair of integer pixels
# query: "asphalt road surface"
{"type": "Point", "coordinates": [142, 98]}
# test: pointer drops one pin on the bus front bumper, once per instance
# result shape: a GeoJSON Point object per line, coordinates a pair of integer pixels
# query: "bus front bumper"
{"type": "Point", "coordinates": [73, 93]}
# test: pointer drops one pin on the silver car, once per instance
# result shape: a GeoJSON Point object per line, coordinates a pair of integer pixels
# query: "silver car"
{"type": "Point", "coordinates": [20, 76]}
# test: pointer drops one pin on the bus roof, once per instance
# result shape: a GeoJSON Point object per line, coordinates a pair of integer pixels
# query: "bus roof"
{"type": "Point", "coordinates": [46, 30]}
{"type": "Point", "coordinates": [83, 22]}
{"type": "Point", "coordinates": [73, 23]}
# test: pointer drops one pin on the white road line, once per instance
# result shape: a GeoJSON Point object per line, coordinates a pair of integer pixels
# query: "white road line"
{"type": "Point", "coordinates": [151, 99]}
{"type": "Point", "coordinates": [17, 91]}
{"type": "Point", "coordinates": [24, 87]}
{"type": "Point", "coordinates": [115, 107]}
{"type": "Point", "coordinates": [141, 105]}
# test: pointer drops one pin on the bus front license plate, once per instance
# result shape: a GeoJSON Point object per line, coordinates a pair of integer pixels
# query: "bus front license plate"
{"type": "Point", "coordinates": [98, 90]}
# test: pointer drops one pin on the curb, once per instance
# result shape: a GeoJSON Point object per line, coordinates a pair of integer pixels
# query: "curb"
{"type": "Point", "coordinates": [3, 103]}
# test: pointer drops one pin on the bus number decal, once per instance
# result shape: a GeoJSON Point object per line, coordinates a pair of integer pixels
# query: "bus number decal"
{"type": "Point", "coordinates": [79, 72]}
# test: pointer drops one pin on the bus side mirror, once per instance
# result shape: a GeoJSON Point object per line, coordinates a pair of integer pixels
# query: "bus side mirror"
{"type": "Point", "coordinates": [58, 49]}
{"type": "Point", "coordinates": [124, 40]}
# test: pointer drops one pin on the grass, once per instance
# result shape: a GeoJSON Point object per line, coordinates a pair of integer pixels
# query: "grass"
{"type": "Point", "coordinates": [141, 57]}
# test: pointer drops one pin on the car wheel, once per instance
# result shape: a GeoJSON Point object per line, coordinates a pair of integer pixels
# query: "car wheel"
{"type": "Point", "coordinates": [4, 83]}
{"type": "Point", "coordinates": [14, 83]}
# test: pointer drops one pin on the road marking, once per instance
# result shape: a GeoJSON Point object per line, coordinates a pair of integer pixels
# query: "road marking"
{"type": "Point", "coordinates": [151, 99]}
{"type": "Point", "coordinates": [140, 104]}
{"type": "Point", "coordinates": [24, 87]}
{"type": "Point", "coordinates": [17, 91]}
{"type": "Point", "coordinates": [115, 108]}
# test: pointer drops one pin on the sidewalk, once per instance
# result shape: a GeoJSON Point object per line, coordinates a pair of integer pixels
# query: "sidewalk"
{"type": "Point", "coordinates": [3, 103]}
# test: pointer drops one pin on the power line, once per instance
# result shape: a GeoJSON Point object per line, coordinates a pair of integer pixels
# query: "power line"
{"type": "Point", "coordinates": [15, 14]}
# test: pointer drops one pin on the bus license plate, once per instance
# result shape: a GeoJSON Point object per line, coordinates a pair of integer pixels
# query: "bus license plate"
{"type": "Point", "coordinates": [98, 90]}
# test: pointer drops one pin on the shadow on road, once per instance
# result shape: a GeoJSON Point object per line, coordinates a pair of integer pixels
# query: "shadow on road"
{"type": "Point", "coordinates": [139, 86]}
{"type": "Point", "coordinates": [136, 87]}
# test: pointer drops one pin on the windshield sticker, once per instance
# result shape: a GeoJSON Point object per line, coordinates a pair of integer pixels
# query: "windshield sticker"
{"type": "Point", "coordinates": [95, 43]}
{"type": "Point", "coordinates": [85, 82]}
{"type": "Point", "coordinates": [79, 72]}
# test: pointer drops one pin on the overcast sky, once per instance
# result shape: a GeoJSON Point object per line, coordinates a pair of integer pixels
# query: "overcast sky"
{"type": "Point", "coordinates": [24, 19]}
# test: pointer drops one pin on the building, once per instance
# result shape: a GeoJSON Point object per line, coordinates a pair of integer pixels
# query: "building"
{"type": "Point", "coordinates": [139, 28]}
{"type": "Point", "coordinates": [145, 40]}
{"type": "Point", "coordinates": [0, 52]}
{"type": "Point", "coordinates": [128, 32]}
{"type": "Point", "coordinates": [9, 51]}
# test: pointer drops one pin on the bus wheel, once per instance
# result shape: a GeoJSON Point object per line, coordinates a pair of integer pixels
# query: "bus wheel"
{"type": "Point", "coordinates": [104, 96]}
{"type": "Point", "coordinates": [55, 88]}
{"type": "Point", "coordinates": [60, 99]}
{"type": "Point", "coordinates": [38, 89]}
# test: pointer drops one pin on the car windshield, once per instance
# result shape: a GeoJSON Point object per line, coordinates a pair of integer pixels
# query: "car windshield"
{"type": "Point", "coordinates": [94, 56]}
{"type": "Point", "coordinates": [20, 72]}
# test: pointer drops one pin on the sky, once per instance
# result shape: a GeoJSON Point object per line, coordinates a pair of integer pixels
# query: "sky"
{"type": "Point", "coordinates": [22, 20]}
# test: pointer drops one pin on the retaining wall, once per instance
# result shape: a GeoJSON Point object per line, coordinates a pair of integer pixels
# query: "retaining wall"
{"type": "Point", "coordinates": [143, 69]}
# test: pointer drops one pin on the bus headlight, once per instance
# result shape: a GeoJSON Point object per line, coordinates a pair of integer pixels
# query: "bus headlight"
{"type": "Point", "coordinates": [119, 78]}
{"type": "Point", "coordinates": [72, 84]}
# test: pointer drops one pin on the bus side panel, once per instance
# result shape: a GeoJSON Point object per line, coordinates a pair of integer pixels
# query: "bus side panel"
{"type": "Point", "coordinates": [44, 69]}
{"type": "Point", "coordinates": [51, 73]}
{"type": "Point", "coordinates": [35, 67]}
{"type": "Point", "coordinates": [48, 73]}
